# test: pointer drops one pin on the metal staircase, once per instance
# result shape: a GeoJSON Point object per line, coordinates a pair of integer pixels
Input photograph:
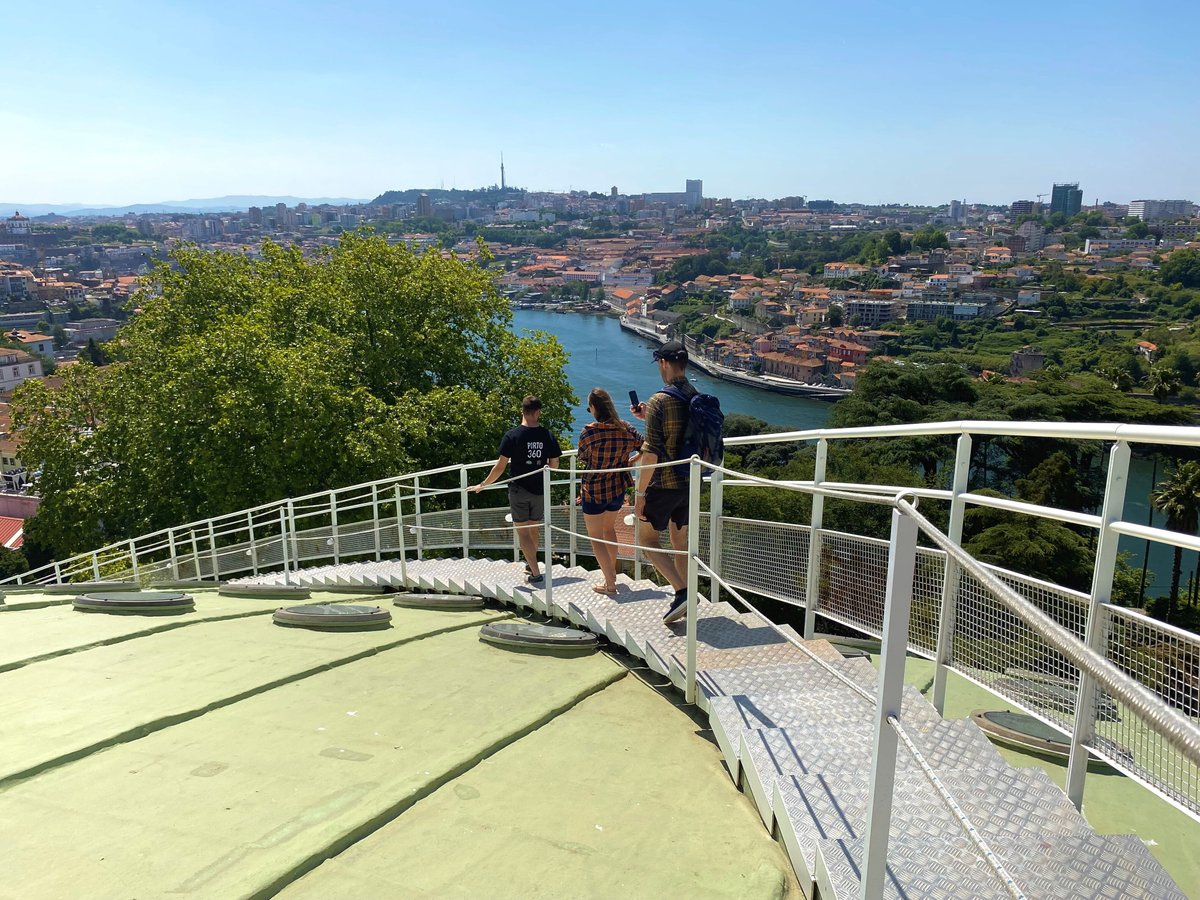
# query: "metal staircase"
{"type": "Point", "coordinates": [796, 722]}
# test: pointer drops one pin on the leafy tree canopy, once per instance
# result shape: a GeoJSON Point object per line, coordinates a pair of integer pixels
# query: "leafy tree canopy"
{"type": "Point", "coordinates": [245, 381]}
{"type": "Point", "coordinates": [1182, 268]}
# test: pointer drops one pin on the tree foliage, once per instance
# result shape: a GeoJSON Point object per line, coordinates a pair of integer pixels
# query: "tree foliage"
{"type": "Point", "coordinates": [1181, 268]}
{"type": "Point", "coordinates": [1179, 500]}
{"type": "Point", "coordinates": [245, 381]}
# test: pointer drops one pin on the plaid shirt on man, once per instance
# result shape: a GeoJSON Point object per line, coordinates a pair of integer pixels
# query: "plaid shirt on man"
{"type": "Point", "coordinates": [606, 445]}
{"type": "Point", "coordinates": [666, 421]}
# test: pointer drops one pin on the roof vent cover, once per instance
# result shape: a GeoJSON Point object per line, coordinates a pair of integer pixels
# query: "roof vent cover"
{"type": "Point", "coordinates": [448, 602]}
{"type": "Point", "coordinates": [333, 617]}
{"type": "Point", "coordinates": [547, 639]}
{"type": "Point", "coordinates": [266, 591]}
{"type": "Point", "coordinates": [135, 602]}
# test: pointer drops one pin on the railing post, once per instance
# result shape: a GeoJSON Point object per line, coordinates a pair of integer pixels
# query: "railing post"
{"type": "Point", "coordinates": [902, 557]}
{"type": "Point", "coordinates": [57, 574]}
{"type": "Point", "coordinates": [716, 506]}
{"type": "Point", "coordinates": [812, 586]}
{"type": "Point", "coordinates": [1095, 636]}
{"type": "Point", "coordinates": [693, 575]}
{"type": "Point", "coordinates": [283, 544]}
{"type": "Point", "coordinates": [253, 545]}
{"type": "Point", "coordinates": [291, 521]}
{"type": "Point", "coordinates": [333, 527]}
{"type": "Point", "coordinates": [95, 567]}
{"type": "Point", "coordinates": [133, 559]}
{"type": "Point", "coordinates": [196, 555]}
{"type": "Point", "coordinates": [950, 578]}
{"type": "Point", "coordinates": [548, 565]}
{"type": "Point", "coordinates": [572, 514]}
{"type": "Point", "coordinates": [171, 550]}
{"type": "Point", "coordinates": [212, 551]}
{"type": "Point", "coordinates": [466, 512]}
{"type": "Point", "coordinates": [375, 522]}
{"type": "Point", "coordinates": [637, 554]}
{"type": "Point", "coordinates": [417, 516]}
{"type": "Point", "coordinates": [400, 538]}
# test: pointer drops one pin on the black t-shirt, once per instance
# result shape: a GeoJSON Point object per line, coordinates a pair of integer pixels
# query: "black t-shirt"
{"type": "Point", "coordinates": [528, 449]}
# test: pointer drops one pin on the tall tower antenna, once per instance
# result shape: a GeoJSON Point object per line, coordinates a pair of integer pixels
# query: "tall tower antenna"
{"type": "Point", "coordinates": [502, 185]}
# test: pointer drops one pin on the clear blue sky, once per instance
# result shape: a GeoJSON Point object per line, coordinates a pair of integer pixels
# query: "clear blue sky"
{"type": "Point", "coordinates": [123, 101]}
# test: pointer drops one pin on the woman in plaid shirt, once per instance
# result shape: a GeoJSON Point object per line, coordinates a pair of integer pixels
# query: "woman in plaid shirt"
{"type": "Point", "coordinates": [605, 444]}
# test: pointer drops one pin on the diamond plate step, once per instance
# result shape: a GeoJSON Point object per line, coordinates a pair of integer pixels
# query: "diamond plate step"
{"type": "Point", "coordinates": [730, 716]}
{"type": "Point", "coordinates": [759, 681]}
{"type": "Point", "coordinates": [769, 754]}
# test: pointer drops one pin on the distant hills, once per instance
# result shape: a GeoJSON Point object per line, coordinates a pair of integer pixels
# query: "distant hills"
{"type": "Point", "coordinates": [232, 203]}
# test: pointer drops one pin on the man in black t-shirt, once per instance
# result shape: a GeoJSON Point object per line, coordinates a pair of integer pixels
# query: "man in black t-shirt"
{"type": "Point", "coordinates": [528, 448]}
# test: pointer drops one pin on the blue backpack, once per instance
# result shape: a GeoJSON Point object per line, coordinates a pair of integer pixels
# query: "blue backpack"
{"type": "Point", "coordinates": [702, 435]}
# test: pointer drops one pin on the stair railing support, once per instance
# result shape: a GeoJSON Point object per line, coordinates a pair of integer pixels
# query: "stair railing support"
{"type": "Point", "coordinates": [572, 512]}
{"type": "Point", "coordinates": [171, 550]}
{"type": "Point", "coordinates": [417, 516]}
{"type": "Point", "coordinates": [637, 556]}
{"type": "Point", "coordinates": [291, 524]}
{"type": "Point", "coordinates": [716, 508]}
{"type": "Point", "coordinates": [466, 513]}
{"type": "Point", "coordinates": [1096, 634]}
{"type": "Point", "coordinates": [695, 476]}
{"type": "Point", "coordinates": [333, 528]}
{"type": "Point", "coordinates": [812, 585]}
{"type": "Point", "coordinates": [400, 538]}
{"type": "Point", "coordinates": [951, 576]}
{"type": "Point", "coordinates": [196, 556]}
{"type": "Point", "coordinates": [548, 536]}
{"type": "Point", "coordinates": [375, 522]}
{"type": "Point", "coordinates": [253, 545]}
{"type": "Point", "coordinates": [283, 544]}
{"type": "Point", "coordinates": [212, 552]}
{"type": "Point", "coordinates": [902, 556]}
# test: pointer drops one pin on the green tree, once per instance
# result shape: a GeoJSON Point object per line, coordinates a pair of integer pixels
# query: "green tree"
{"type": "Point", "coordinates": [245, 381]}
{"type": "Point", "coordinates": [1181, 268]}
{"type": "Point", "coordinates": [1179, 500]}
{"type": "Point", "coordinates": [1137, 230]}
{"type": "Point", "coordinates": [60, 337]}
{"type": "Point", "coordinates": [1162, 382]}
{"type": "Point", "coordinates": [834, 316]}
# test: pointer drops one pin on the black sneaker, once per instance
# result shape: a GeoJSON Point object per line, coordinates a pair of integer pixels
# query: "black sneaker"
{"type": "Point", "coordinates": [536, 580]}
{"type": "Point", "coordinates": [678, 608]}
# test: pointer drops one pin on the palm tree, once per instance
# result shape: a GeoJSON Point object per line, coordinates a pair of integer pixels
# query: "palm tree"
{"type": "Point", "coordinates": [1179, 500]}
{"type": "Point", "coordinates": [1162, 381]}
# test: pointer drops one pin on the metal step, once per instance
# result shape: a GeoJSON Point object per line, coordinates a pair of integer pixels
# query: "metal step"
{"type": "Point", "coordinates": [759, 681]}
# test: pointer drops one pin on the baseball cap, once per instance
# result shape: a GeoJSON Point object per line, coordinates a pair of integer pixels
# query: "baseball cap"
{"type": "Point", "coordinates": [672, 351]}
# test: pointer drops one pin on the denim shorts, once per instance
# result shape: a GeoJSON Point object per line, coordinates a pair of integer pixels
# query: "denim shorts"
{"type": "Point", "coordinates": [595, 509]}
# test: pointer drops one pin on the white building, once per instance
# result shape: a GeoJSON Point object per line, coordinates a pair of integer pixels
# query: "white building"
{"type": "Point", "coordinates": [1151, 210]}
{"type": "Point", "coordinates": [17, 366]}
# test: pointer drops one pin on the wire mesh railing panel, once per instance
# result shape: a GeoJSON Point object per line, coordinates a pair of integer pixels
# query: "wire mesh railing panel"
{"type": "Point", "coordinates": [356, 539]}
{"type": "Point", "coordinates": [1167, 661]}
{"type": "Point", "coordinates": [441, 530]}
{"type": "Point", "coordinates": [314, 543]}
{"type": "Point", "coordinates": [767, 558]}
{"type": "Point", "coordinates": [929, 576]}
{"type": "Point", "coordinates": [853, 580]}
{"type": "Point", "coordinates": [993, 646]}
{"type": "Point", "coordinates": [489, 529]}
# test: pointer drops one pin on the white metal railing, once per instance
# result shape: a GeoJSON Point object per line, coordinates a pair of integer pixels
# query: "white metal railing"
{"type": "Point", "coordinates": [1032, 642]}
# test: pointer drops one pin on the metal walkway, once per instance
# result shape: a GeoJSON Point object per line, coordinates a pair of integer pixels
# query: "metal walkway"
{"type": "Point", "coordinates": [796, 732]}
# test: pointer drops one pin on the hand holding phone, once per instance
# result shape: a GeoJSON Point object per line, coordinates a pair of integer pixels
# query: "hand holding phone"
{"type": "Point", "coordinates": [633, 400]}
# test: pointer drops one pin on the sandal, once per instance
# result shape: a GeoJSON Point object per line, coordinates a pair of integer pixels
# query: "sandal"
{"type": "Point", "coordinates": [601, 589]}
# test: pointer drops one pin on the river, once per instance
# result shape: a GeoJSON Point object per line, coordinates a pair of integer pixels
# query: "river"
{"type": "Point", "coordinates": [601, 354]}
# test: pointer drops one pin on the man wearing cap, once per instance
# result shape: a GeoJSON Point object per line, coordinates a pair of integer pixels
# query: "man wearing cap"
{"type": "Point", "coordinates": [528, 448]}
{"type": "Point", "coordinates": [662, 495]}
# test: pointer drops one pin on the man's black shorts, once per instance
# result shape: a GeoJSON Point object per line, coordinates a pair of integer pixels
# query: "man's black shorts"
{"type": "Point", "coordinates": [664, 505]}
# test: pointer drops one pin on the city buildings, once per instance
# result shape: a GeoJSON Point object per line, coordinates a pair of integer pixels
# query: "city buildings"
{"type": "Point", "coordinates": [1153, 210]}
{"type": "Point", "coordinates": [1066, 199]}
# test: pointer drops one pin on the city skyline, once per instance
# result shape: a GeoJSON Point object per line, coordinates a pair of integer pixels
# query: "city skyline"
{"type": "Point", "coordinates": [136, 104]}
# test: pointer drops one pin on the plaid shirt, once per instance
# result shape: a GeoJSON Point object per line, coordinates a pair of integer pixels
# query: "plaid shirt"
{"type": "Point", "coordinates": [666, 421]}
{"type": "Point", "coordinates": [606, 445]}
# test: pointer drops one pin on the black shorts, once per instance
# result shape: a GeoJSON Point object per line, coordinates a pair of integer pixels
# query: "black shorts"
{"type": "Point", "coordinates": [666, 505]}
{"type": "Point", "coordinates": [525, 505]}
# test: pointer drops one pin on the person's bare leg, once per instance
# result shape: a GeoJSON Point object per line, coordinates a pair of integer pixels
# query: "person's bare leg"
{"type": "Point", "coordinates": [651, 541]}
{"type": "Point", "coordinates": [527, 536]}
{"type": "Point", "coordinates": [609, 533]}
{"type": "Point", "coordinates": [605, 556]}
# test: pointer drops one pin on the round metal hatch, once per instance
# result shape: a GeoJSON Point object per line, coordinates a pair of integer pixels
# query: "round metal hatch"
{"type": "Point", "coordinates": [266, 591]}
{"type": "Point", "coordinates": [530, 638]}
{"type": "Point", "coordinates": [139, 602]}
{"type": "Point", "coordinates": [333, 617]}
{"type": "Point", "coordinates": [448, 602]}
{"type": "Point", "coordinates": [84, 587]}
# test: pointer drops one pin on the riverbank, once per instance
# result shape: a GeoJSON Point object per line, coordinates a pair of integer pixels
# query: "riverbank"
{"type": "Point", "coordinates": [772, 383]}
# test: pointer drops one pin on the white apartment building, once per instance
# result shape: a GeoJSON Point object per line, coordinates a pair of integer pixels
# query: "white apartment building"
{"type": "Point", "coordinates": [1152, 210]}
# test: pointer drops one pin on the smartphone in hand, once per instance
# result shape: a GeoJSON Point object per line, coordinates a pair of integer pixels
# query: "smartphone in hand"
{"type": "Point", "coordinates": [633, 400]}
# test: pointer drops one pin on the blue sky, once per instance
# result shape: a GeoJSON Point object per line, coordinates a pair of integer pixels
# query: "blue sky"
{"type": "Point", "coordinates": [127, 102]}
